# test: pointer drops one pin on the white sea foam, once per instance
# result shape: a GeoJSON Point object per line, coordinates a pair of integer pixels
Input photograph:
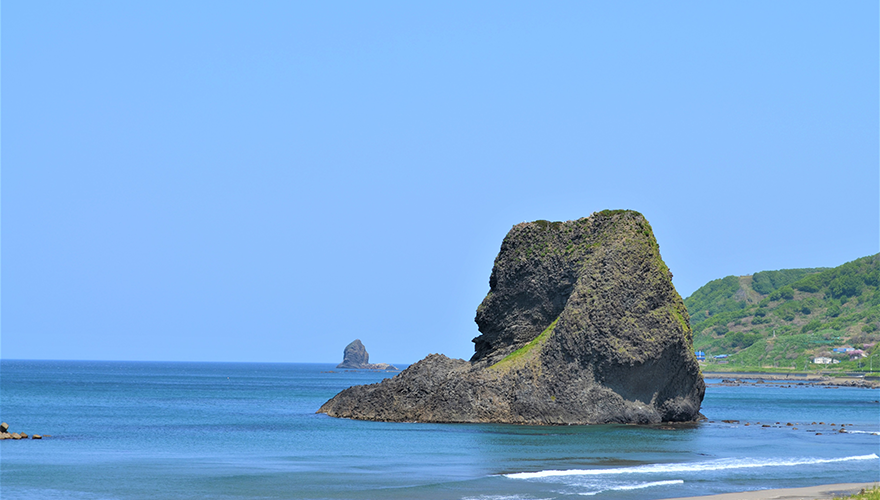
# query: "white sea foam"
{"type": "Point", "coordinates": [873, 433]}
{"type": "Point", "coordinates": [723, 464]}
{"type": "Point", "coordinates": [637, 486]}
{"type": "Point", "coordinates": [503, 497]}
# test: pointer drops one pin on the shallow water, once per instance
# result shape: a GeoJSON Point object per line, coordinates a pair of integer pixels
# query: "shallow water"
{"type": "Point", "coordinates": [128, 430]}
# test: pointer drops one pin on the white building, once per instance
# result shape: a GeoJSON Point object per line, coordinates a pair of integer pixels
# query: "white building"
{"type": "Point", "coordinates": [824, 361]}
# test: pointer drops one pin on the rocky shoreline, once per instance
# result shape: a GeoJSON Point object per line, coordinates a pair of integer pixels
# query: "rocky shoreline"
{"type": "Point", "coordinates": [790, 379]}
{"type": "Point", "coordinates": [818, 428]}
{"type": "Point", "coordinates": [5, 434]}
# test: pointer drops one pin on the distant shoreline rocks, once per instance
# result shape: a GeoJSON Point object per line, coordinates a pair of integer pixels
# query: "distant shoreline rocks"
{"type": "Point", "coordinates": [5, 434]}
{"type": "Point", "coordinates": [356, 357]}
{"type": "Point", "coordinates": [788, 380]}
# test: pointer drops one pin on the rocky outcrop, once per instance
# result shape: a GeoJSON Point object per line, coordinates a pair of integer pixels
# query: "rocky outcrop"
{"type": "Point", "coordinates": [5, 434]}
{"type": "Point", "coordinates": [356, 357]}
{"type": "Point", "coordinates": [581, 325]}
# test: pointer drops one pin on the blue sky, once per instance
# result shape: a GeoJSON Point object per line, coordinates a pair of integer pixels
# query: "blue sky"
{"type": "Point", "coordinates": [267, 181]}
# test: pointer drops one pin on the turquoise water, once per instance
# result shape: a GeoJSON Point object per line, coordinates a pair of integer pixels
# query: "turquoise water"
{"type": "Point", "coordinates": [128, 430]}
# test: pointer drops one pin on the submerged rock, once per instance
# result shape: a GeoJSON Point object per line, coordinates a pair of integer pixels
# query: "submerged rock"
{"type": "Point", "coordinates": [356, 356]}
{"type": "Point", "coordinates": [581, 325]}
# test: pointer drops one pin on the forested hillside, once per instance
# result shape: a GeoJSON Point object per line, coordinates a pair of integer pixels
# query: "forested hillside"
{"type": "Point", "coordinates": [784, 319]}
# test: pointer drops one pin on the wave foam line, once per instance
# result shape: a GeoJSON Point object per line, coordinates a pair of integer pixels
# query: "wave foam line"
{"type": "Point", "coordinates": [503, 497]}
{"type": "Point", "coordinates": [633, 487]}
{"type": "Point", "coordinates": [689, 467]}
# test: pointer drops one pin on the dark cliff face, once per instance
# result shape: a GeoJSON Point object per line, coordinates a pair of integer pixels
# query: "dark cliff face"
{"type": "Point", "coordinates": [581, 325]}
{"type": "Point", "coordinates": [531, 282]}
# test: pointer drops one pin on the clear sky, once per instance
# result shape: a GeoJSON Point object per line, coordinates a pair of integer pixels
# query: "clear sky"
{"type": "Point", "coordinates": [267, 181]}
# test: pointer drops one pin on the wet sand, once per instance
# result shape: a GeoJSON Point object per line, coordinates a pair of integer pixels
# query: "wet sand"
{"type": "Point", "coordinates": [821, 492]}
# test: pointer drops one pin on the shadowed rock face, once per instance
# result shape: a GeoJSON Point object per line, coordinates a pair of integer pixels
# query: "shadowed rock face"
{"type": "Point", "coordinates": [581, 325]}
{"type": "Point", "coordinates": [356, 356]}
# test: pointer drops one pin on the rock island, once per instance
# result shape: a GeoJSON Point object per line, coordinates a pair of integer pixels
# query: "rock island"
{"type": "Point", "coordinates": [356, 356]}
{"type": "Point", "coordinates": [581, 325]}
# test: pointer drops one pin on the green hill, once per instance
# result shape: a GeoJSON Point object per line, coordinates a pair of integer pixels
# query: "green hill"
{"type": "Point", "coordinates": [783, 319]}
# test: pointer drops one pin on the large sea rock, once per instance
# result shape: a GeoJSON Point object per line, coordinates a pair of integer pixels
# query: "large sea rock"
{"type": "Point", "coordinates": [581, 325]}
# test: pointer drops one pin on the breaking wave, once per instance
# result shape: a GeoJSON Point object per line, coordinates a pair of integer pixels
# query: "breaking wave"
{"type": "Point", "coordinates": [723, 464]}
{"type": "Point", "coordinates": [633, 486]}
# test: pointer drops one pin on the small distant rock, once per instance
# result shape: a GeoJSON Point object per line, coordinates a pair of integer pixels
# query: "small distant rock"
{"type": "Point", "coordinates": [36, 436]}
{"type": "Point", "coordinates": [356, 356]}
{"type": "Point", "coordinates": [382, 366]}
{"type": "Point", "coordinates": [4, 427]}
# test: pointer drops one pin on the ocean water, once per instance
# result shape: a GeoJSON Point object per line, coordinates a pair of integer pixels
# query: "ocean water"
{"type": "Point", "coordinates": [131, 430]}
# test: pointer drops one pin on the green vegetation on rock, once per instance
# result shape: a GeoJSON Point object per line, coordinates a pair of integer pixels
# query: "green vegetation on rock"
{"type": "Point", "coordinates": [522, 351]}
{"type": "Point", "coordinates": [786, 318]}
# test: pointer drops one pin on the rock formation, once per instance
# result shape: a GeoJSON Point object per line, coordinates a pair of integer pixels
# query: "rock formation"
{"type": "Point", "coordinates": [5, 434]}
{"type": "Point", "coordinates": [356, 356]}
{"type": "Point", "coordinates": [581, 325]}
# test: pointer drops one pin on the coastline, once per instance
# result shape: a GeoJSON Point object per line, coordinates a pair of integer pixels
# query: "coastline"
{"type": "Point", "coordinates": [820, 492]}
{"type": "Point", "coordinates": [811, 378]}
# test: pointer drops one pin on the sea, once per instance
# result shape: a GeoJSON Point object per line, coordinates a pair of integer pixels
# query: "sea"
{"type": "Point", "coordinates": [174, 430]}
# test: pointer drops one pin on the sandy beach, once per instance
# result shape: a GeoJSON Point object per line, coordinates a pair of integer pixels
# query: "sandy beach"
{"type": "Point", "coordinates": [821, 492]}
